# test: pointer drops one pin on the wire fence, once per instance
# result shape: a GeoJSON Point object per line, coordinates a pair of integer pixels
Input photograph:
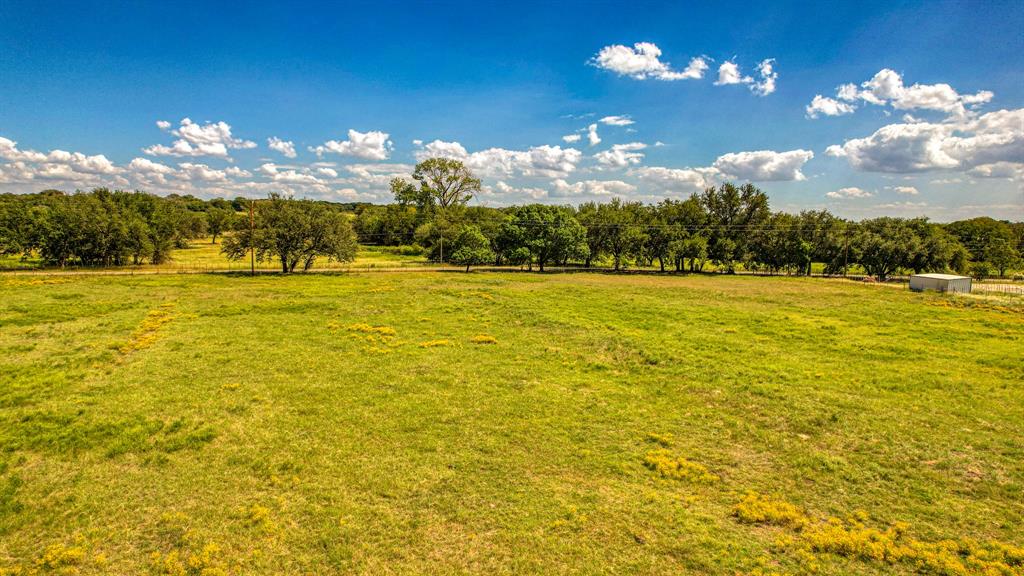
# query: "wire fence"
{"type": "Point", "coordinates": [1001, 286]}
{"type": "Point", "coordinates": [225, 268]}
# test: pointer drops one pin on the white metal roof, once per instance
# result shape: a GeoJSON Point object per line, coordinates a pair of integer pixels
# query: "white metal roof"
{"type": "Point", "coordinates": [942, 276]}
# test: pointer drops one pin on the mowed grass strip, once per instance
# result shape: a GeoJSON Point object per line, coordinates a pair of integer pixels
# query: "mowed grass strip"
{"type": "Point", "coordinates": [568, 424]}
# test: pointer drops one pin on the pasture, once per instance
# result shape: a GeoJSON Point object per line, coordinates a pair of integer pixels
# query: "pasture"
{"type": "Point", "coordinates": [203, 256]}
{"type": "Point", "coordinates": [506, 423]}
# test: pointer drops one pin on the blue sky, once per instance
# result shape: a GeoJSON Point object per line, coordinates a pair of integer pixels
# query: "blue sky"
{"type": "Point", "coordinates": [931, 119]}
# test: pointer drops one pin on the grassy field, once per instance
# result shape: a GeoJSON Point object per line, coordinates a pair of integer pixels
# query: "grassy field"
{"type": "Point", "coordinates": [445, 423]}
{"type": "Point", "coordinates": [205, 255]}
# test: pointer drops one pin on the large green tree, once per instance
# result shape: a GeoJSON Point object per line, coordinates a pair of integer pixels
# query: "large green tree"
{"type": "Point", "coordinates": [622, 226]}
{"type": "Point", "coordinates": [935, 249]}
{"type": "Point", "coordinates": [733, 215]}
{"type": "Point", "coordinates": [471, 248]}
{"type": "Point", "coordinates": [15, 225]}
{"type": "Point", "coordinates": [293, 232]}
{"type": "Point", "coordinates": [597, 237]}
{"type": "Point", "coordinates": [218, 221]}
{"type": "Point", "coordinates": [882, 245]}
{"type": "Point", "coordinates": [687, 221]}
{"type": "Point", "coordinates": [550, 233]}
{"type": "Point", "coordinates": [445, 182]}
{"type": "Point", "coordinates": [989, 240]}
{"type": "Point", "coordinates": [445, 186]}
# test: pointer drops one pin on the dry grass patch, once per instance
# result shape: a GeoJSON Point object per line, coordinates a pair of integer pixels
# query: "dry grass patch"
{"type": "Point", "coordinates": [853, 538]}
{"type": "Point", "coordinates": [663, 440]}
{"type": "Point", "coordinates": [758, 509]}
{"type": "Point", "coordinates": [61, 558]}
{"type": "Point", "coordinates": [148, 331]}
{"type": "Point", "coordinates": [669, 466]}
{"type": "Point", "coordinates": [368, 329]}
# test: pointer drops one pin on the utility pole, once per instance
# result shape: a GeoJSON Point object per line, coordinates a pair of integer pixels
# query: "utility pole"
{"type": "Point", "coordinates": [252, 231]}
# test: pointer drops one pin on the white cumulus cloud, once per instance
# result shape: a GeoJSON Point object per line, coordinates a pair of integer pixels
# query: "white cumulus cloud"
{"type": "Point", "coordinates": [621, 155]}
{"type": "Point", "coordinates": [995, 137]}
{"type": "Point", "coordinates": [285, 147]}
{"type": "Point", "coordinates": [1011, 170]}
{"type": "Point", "coordinates": [766, 69]}
{"type": "Point", "coordinates": [200, 172]}
{"type": "Point", "coordinates": [887, 88]}
{"type": "Point", "coordinates": [764, 165]}
{"type": "Point", "coordinates": [562, 189]}
{"type": "Point", "coordinates": [823, 105]}
{"type": "Point", "coordinates": [643, 61]}
{"type": "Point", "coordinates": [73, 169]}
{"type": "Point", "coordinates": [509, 192]}
{"type": "Point", "coordinates": [850, 192]}
{"type": "Point", "coordinates": [617, 120]}
{"type": "Point", "coordinates": [544, 161]}
{"type": "Point", "coordinates": [674, 180]}
{"type": "Point", "coordinates": [147, 166]}
{"type": "Point", "coordinates": [729, 73]}
{"type": "Point", "coordinates": [372, 145]}
{"type": "Point", "coordinates": [210, 139]}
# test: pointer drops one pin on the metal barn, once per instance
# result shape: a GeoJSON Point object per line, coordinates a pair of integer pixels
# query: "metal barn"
{"type": "Point", "coordinates": [940, 283]}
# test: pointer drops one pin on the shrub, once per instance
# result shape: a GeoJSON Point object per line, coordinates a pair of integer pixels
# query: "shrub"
{"type": "Point", "coordinates": [981, 270]}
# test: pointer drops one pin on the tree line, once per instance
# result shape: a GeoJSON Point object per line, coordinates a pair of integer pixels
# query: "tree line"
{"type": "Point", "coordinates": [104, 227]}
{"type": "Point", "coordinates": [116, 228]}
{"type": "Point", "coordinates": [728, 227]}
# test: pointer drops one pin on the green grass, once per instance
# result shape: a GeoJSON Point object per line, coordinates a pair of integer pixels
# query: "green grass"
{"type": "Point", "coordinates": [205, 255]}
{"type": "Point", "coordinates": [610, 425]}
